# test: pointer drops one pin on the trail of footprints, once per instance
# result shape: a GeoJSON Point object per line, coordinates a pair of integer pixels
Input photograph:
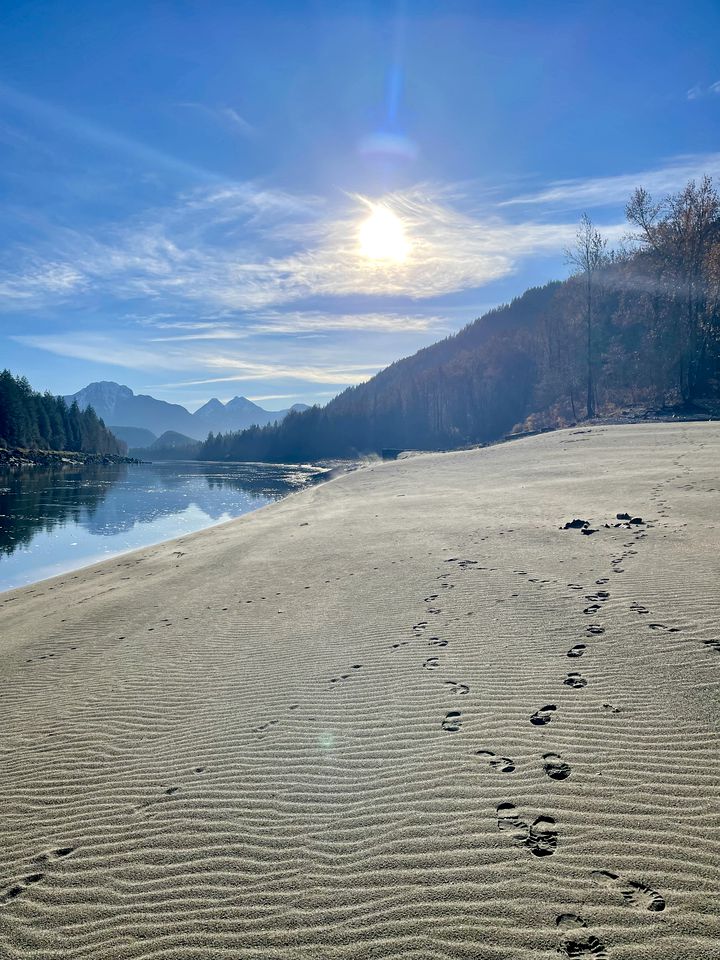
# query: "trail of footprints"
{"type": "Point", "coordinates": [17, 887]}
{"type": "Point", "coordinates": [539, 835]}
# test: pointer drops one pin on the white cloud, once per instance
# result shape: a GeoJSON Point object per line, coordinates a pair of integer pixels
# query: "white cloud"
{"type": "Point", "coordinates": [609, 191]}
{"type": "Point", "coordinates": [340, 375]}
{"type": "Point", "coordinates": [46, 280]}
{"type": "Point", "coordinates": [243, 254]}
{"type": "Point", "coordinates": [227, 116]}
{"type": "Point", "coordinates": [247, 249]}
{"type": "Point", "coordinates": [311, 321]}
{"type": "Point", "coordinates": [699, 91]}
{"type": "Point", "coordinates": [105, 350]}
{"type": "Point", "coordinates": [316, 367]}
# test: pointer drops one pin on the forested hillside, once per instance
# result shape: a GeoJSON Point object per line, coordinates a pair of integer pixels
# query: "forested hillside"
{"type": "Point", "coordinates": [635, 325]}
{"type": "Point", "coordinates": [43, 422]}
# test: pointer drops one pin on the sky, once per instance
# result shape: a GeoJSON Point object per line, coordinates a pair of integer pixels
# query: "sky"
{"type": "Point", "coordinates": [183, 185]}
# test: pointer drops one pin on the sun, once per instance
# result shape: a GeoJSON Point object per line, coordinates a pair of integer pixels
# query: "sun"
{"type": "Point", "coordinates": [382, 236]}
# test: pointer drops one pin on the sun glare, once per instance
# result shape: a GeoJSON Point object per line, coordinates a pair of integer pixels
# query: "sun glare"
{"type": "Point", "coordinates": [382, 236]}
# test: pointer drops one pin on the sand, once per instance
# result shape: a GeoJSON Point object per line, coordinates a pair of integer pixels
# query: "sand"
{"type": "Point", "coordinates": [347, 725]}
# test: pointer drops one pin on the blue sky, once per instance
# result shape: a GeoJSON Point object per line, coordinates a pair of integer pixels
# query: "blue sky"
{"type": "Point", "coordinates": [182, 183]}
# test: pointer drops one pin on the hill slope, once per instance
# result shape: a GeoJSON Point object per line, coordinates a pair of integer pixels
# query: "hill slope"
{"type": "Point", "coordinates": [470, 388]}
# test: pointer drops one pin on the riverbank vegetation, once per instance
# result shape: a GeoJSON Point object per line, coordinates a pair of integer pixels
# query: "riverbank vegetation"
{"type": "Point", "coordinates": [32, 421]}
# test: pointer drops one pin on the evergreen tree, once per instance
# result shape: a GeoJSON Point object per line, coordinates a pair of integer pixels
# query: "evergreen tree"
{"type": "Point", "coordinates": [37, 421]}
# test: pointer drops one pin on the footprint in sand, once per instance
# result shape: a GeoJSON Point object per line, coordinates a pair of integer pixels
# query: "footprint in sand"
{"type": "Point", "coordinates": [13, 890]}
{"type": "Point", "coordinates": [593, 608]}
{"type": "Point", "coordinates": [633, 892]}
{"type": "Point", "coordinates": [543, 715]}
{"type": "Point", "coordinates": [452, 721]}
{"type": "Point", "coordinates": [60, 853]}
{"type": "Point", "coordinates": [577, 651]}
{"type": "Point", "coordinates": [575, 680]}
{"type": "Point", "coordinates": [262, 727]}
{"type": "Point", "coordinates": [346, 676]}
{"type": "Point", "coordinates": [588, 946]}
{"type": "Point", "coordinates": [437, 642]}
{"type": "Point", "coordinates": [508, 821]}
{"type": "Point", "coordinates": [432, 663]}
{"type": "Point", "coordinates": [458, 689]}
{"type": "Point", "coordinates": [595, 629]}
{"type": "Point", "coordinates": [579, 945]}
{"type": "Point", "coordinates": [501, 764]}
{"type": "Point", "coordinates": [540, 838]}
{"type": "Point", "coordinates": [555, 767]}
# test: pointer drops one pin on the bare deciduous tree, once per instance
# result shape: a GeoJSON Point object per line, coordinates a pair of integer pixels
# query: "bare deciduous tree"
{"type": "Point", "coordinates": [588, 254]}
{"type": "Point", "coordinates": [682, 233]}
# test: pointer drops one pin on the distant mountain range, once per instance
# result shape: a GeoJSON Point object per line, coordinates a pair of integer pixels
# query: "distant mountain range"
{"type": "Point", "coordinates": [139, 419]}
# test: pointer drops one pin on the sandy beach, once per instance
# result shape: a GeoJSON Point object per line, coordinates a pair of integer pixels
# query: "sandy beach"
{"type": "Point", "coordinates": [398, 715]}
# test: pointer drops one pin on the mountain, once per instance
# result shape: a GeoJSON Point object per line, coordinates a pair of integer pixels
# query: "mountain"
{"type": "Point", "coordinates": [169, 446]}
{"type": "Point", "coordinates": [238, 414]}
{"type": "Point", "coordinates": [124, 410]}
{"type": "Point", "coordinates": [135, 436]}
{"type": "Point", "coordinates": [171, 440]}
{"type": "Point", "coordinates": [117, 405]}
{"type": "Point", "coordinates": [221, 417]}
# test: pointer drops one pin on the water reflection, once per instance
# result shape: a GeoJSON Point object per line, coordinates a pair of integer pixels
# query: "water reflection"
{"type": "Point", "coordinates": [36, 500]}
{"type": "Point", "coordinates": [52, 520]}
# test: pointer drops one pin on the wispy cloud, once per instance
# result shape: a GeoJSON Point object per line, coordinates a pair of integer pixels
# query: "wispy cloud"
{"type": "Point", "coordinates": [103, 350]}
{"type": "Point", "coordinates": [250, 249]}
{"type": "Point", "coordinates": [283, 324]}
{"type": "Point", "coordinates": [50, 280]}
{"type": "Point", "coordinates": [227, 116]}
{"type": "Point", "coordinates": [323, 367]}
{"type": "Point", "coordinates": [54, 117]}
{"type": "Point", "coordinates": [609, 191]}
{"type": "Point", "coordinates": [342, 374]}
{"type": "Point", "coordinates": [228, 267]}
{"type": "Point", "coordinates": [700, 90]}
{"type": "Point", "coordinates": [234, 249]}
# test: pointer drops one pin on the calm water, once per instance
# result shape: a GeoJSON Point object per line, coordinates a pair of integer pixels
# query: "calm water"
{"type": "Point", "coordinates": [54, 520]}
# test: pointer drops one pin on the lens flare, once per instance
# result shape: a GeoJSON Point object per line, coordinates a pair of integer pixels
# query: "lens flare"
{"type": "Point", "coordinates": [382, 236]}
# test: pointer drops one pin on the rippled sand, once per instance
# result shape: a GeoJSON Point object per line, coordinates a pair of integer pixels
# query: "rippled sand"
{"type": "Point", "coordinates": [402, 714]}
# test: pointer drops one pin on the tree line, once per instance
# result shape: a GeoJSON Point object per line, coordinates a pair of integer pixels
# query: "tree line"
{"type": "Point", "coordinates": [40, 421]}
{"type": "Point", "coordinates": [639, 325]}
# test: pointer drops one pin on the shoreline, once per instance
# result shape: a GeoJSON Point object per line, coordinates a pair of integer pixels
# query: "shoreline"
{"type": "Point", "coordinates": [401, 714]}
{"type": "Point", "coordinates": [315, 474]}
{"type": "Point", "coordinates": [21, 457]}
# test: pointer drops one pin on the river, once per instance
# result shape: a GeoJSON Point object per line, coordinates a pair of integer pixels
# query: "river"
{"type": "Point", "coordinates": [55, 520]}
